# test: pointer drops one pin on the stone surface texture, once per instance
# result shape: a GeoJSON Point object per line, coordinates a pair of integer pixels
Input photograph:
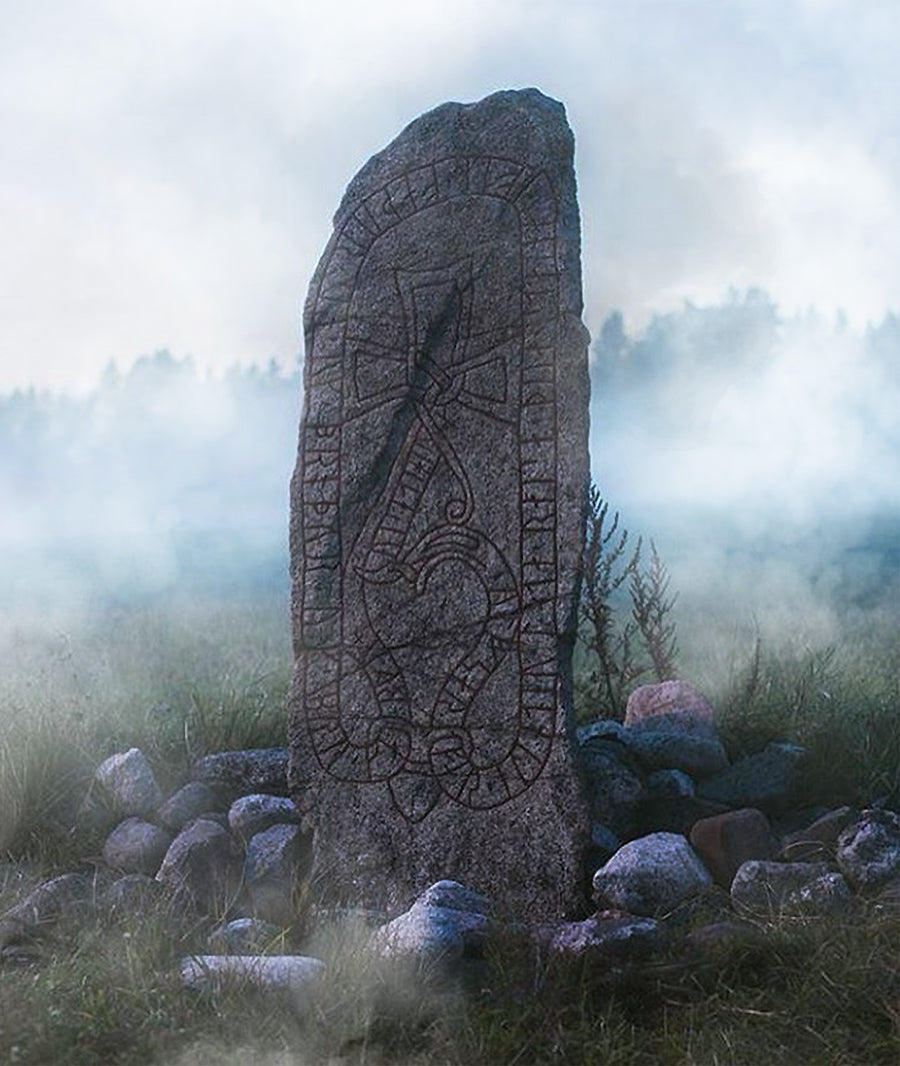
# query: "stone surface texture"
{"type": "Point", "coordinates": [726, 841]}
{"type": "Point", "coordinates": [670, 706]}
{"type": "Point", "coordinates": [768, 887]}
{"type": "Point", "coordinates": [448, 921]}
{"type": "Point", "coordinates": [243, 772]}
{"type": "Point", "coordinates": [204, 864]}
{"type": "Point", "coordinates": [768, 780]}
{"type": "Point", "coordinates": [868, 852]}
{"type": "Point", "coordinates": [129, 783]}
{"type": "Point", "coordinates": [136, 847]}
{"type": "Point", "coordinates": [436, 517]}
{"type": "Point", "coordinates": [651, 874]}
{"type": "Point", "coordinates": [249, 815]}
{"type": "Point", "coordinates": [266, 973]}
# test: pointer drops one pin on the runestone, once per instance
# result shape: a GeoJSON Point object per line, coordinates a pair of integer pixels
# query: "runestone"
{"type": "Point", "coordinates": [437, 511]}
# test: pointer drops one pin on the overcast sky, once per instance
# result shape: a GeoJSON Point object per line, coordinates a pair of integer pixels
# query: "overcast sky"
{"type": "Point", "coordinates": [169, 168]}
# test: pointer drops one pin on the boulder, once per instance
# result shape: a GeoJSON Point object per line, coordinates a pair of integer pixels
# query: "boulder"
{"type": "Point", "coordinates": [203, 864]}
{"type": "Point", "coordinates": [726, 841]}
{"type": "Point", "coordinates": [70, 896]}
{"type": "Point", "coordinates": [670, 706]}
{"type": "Point", "coordinates": [768, 780]}
{"type": "Point", "coordinates": [276, 860]}
{"type": "Point", "coordinates": [136, 847]}
{"type": "Point", "coordinates": [189, 802]}
{"type": "Point", "coordinates": [240, 773]}
{"type": "Point", "coordinates": [447, 922]}
{"type": "Point", "coordinates": [651, 874]}
{"type": "Point", "coordinates": [615, 786]}
{"type": "Point", "coordinates": [868, 851]}
{"type": "Point", "coordinates": [128, 782]}
{"type": "Point", "coordinates": [765, 887]}
{"type": "Point", "coordinates": [607, 938]}
{"type": "Point", "coordinates": [249, 815]}
{"type": "Point", "coordinates": [657, 748]}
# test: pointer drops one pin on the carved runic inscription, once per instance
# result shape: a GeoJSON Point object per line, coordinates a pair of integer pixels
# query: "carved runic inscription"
{"type": "Point", "coordinates": [403, 693]}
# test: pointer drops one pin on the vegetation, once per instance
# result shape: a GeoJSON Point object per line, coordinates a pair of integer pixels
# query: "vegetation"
{"type": "Point", "coordinates": [209, 675]}
{"type": "Point", "coordinates": [615, 642]}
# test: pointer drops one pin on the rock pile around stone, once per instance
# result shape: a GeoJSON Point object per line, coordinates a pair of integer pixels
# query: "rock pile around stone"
{"type": "Point", "coordinates": [676, 828]}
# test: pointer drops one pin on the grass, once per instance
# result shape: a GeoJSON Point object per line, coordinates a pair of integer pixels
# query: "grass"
{"type": "Point", "coordinates": [198, 677]}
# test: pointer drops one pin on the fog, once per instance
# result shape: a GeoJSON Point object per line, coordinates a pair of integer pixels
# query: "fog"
{"type": "Point", "coordinates": [760, 452]}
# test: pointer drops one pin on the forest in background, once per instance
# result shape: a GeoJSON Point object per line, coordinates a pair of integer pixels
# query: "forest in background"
{"type": "Point", "coordinates": [759, 451]}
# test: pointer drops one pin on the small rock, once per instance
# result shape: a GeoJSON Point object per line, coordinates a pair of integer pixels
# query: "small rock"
{"type": "Point", "coordinates": [868, 851]}
{"type": "Point", "coordinates": [768, 780]}
{"type": "Point", "coordinates": [245, 936]}
{"type": "Point", "coordinates": [276, 860]}
{"type": "Point", "coordinates": [607, 939]}
{"type": "Point", "coordinates": [697, 755]}
{"type": "Point", "coordinates": [766, 887]}
{"type": "Point", "coordinates": [430, 931]}
{"type": "Point", "coordinates": [615, 786]}
{"type": "Point", "coordinates": [252, 814]}
{"type": "Point", "coordinates": [262, 972]}
{"type": "Point", "coordinates": [204, 864]}
{"type": "Point", "coordinates": [189, 802]}
{"type": "Point", "coordinates": [241, 773]}
{"type": "Point", "coordinates": [69, 896]}
{"type": "Point", "coordinates": [129, 782]}
{"type": "Point", "coordinates": [725, 841]}
{"type": "Point", "coordinates": [650, 874]}
{"type": "Point", "coordinates": [670, 706]}
{"type": "Point", "coordinates": [136, 847]}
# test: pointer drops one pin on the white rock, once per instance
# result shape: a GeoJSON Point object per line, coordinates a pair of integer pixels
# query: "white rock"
{"type": "Point", "coordinates": [265, 972]}
{"type": "Point", "coordinates": [651, 874]}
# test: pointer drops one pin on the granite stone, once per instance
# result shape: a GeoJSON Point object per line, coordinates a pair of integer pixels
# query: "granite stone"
{"type": "Point", "coordinates": [437, 510]}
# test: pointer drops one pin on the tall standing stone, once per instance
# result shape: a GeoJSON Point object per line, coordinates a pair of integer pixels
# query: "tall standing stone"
{"type": "Point", "coordinates": [436, 517]}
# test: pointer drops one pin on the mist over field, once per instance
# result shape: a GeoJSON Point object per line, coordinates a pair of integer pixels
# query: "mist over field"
{"type": "Point", "coordinates": [758, 451]}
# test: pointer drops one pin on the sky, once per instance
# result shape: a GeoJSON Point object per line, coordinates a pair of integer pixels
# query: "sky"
{"type": "Point", "coordinates": [170, 168]}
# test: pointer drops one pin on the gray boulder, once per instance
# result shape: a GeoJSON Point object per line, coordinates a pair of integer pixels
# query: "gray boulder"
{"type": "Point", "coordinates": [604, 939]}
{"type": "Point", "coordinates": [249, 815]}
{"type": "Point", "coordinates": [276, 860]}
{"type": "Point", "coordinates": [73, 896]}
{"type": "Point", "coordinates": [129, 784]}
{"type": "Point", "coordinates": [447, 922]}
{"type": "Point", "coordinates": [768, 780]}
{"type": "Point", "coordinates": [189, 802]}
{"type": "Point", "coordinates": [651, 874]}
{"type": "Point", "coordinates": [136, 847]}
{"type": "Point", "coordinates": [657, 748]}
{"type": "Point", "coordinates": [615, 786]}
{"type": "Point", "coordinates": [240, 773]}
{"type": "Point", "coordinates": [868, 852]}
{"type": "Point", "coordinates": [203, 864]}
{"type": "Point", "coordinates": [793, 888]}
